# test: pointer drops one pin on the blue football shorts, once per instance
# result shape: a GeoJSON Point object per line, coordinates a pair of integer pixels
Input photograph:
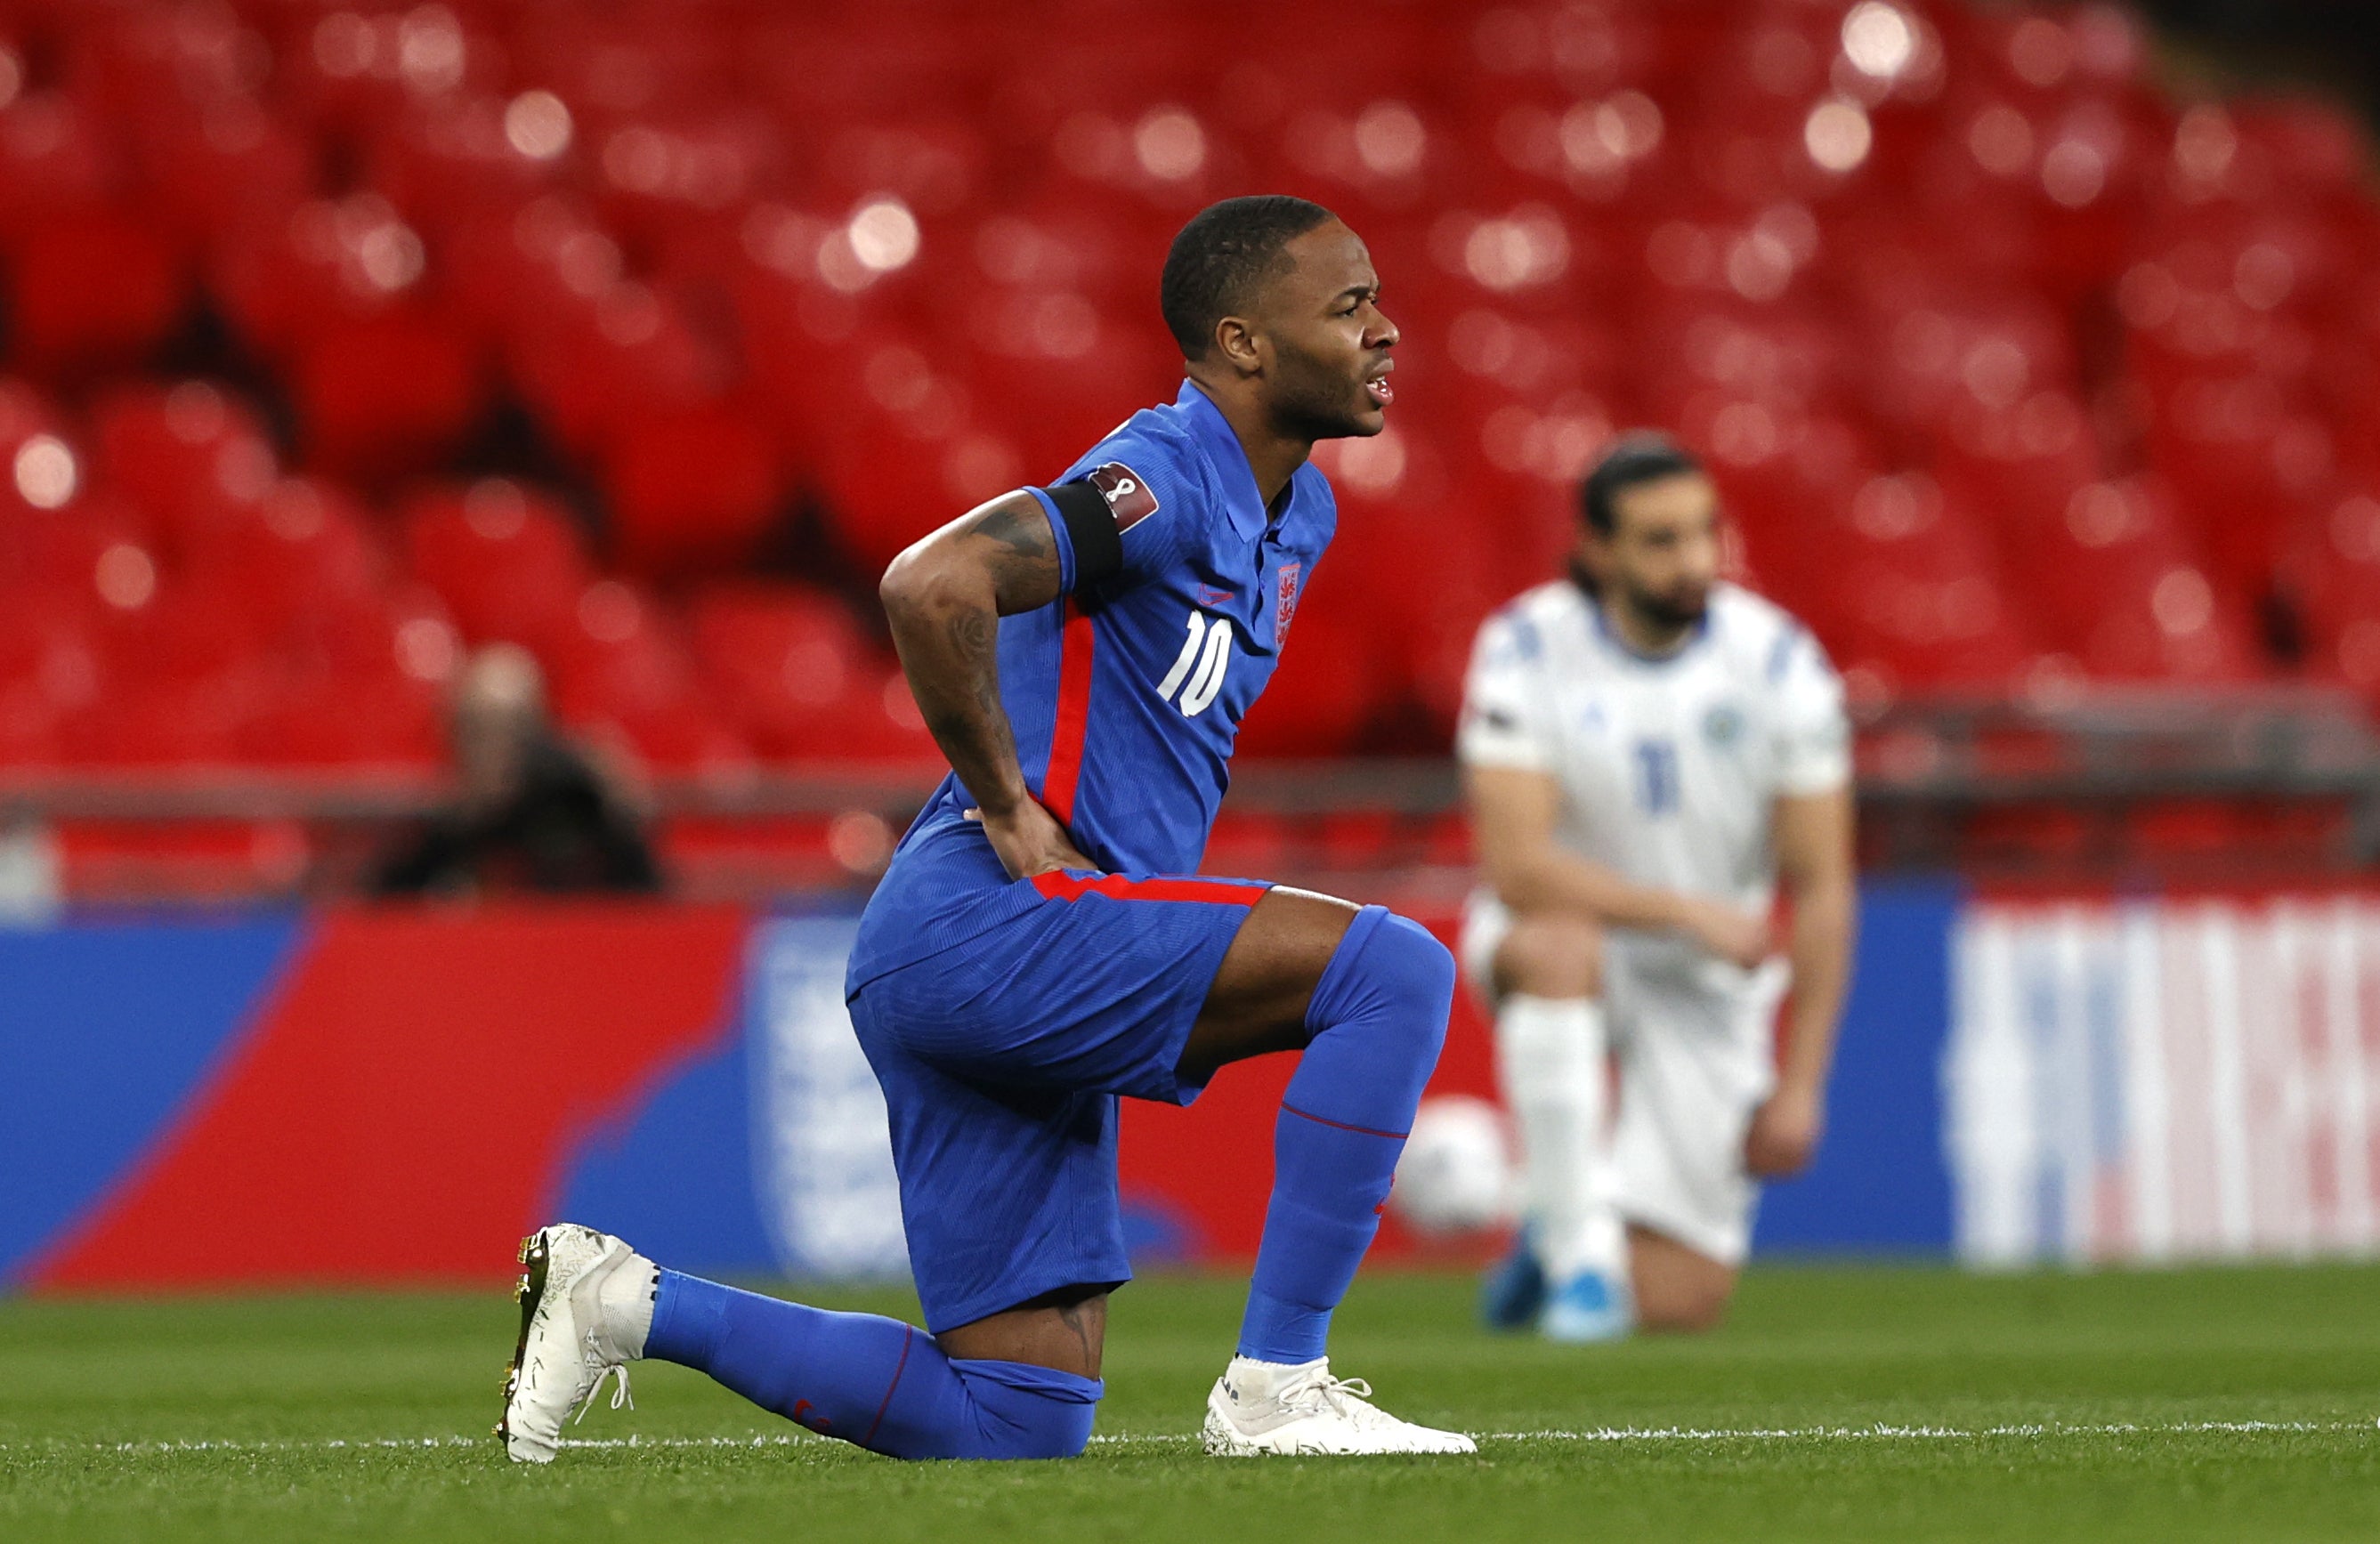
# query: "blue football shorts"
{"type": "Point", "coordinates": [1002, 1059]}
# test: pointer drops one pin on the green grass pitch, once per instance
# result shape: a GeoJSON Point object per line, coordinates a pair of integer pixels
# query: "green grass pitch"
{"type": "Point", "coordinates": [1841, 1404]}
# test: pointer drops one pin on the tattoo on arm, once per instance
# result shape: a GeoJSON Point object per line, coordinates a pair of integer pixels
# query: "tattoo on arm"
{"type": "Point", "coordinates": [944, 599]}
{"type": "Point", "coordinates": [1018, 549]}
{"type": "Point", "coordinates": [961, 708]}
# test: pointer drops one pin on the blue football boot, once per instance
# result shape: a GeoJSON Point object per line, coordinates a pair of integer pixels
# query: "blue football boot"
{"type": "Point", "coordinates": [1588, 1308]}
{"type": "Point", "coordinates": [1513, 1291]}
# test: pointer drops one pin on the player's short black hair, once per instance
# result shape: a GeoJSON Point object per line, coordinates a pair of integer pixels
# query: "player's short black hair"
{"type": "Point", "coordinates": [1222, 255]}
{"type": "Point", "coordinates": [1639, 456]}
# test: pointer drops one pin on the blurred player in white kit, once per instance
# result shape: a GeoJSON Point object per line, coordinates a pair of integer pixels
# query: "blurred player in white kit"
{"type": "Point", "coordinates": [1647, 751]}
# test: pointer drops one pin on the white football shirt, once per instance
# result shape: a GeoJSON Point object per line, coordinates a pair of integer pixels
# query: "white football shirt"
{"type": "Point", "coordinates": [1669, 765]}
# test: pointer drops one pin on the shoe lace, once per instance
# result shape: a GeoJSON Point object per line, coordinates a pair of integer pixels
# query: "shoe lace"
{"type": "Point", "coordinates": [1320, 1389]}
{"type": "Point", "coordinates": [621, 1399]}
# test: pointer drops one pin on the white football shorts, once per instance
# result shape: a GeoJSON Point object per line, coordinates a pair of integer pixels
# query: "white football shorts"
{"type": "Point", "coordinates": [1693, 1044]}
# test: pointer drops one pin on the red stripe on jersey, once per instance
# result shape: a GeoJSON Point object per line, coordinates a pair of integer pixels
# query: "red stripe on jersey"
{"type": "Point", "coordinates": [1057, 887]}
{"type": "Point", "coordinates": [1073, 715]}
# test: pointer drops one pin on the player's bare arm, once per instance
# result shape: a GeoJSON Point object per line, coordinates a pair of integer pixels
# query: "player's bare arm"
{"type": "Point", "coordinates": [945, 596]}
{"type": "Point", "coordinates": [1812, 833]}
{"type": "Point", "coordinates": [1514, 812]}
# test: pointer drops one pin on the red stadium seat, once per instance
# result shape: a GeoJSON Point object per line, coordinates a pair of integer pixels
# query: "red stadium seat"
{"type": "Point", "coordinates": [95, 549]}
{"type": "Point", "coordinates": [619, 667]}
{"type": "Point", "coordinates": [381, 395]}
{"type": "Point", "coordinates": [2238, 445]}
{"type": "Point", "coordinates": [590, 368]}
{"type": "Point", "coordinates": [510, 565]}
{"type": "Point", "coordinates": [281, 283]}
{"type": "Point", "coordinates": [2338, 570]}
{"type": "Point", "coordinates": [366, 633]}
{"type": "Point", "coordinates": [53, 472]}
{"type": "Point", "coordinates": [378, 719]}
{"type": "Point", "coordinates": [2124, 587]}
{"type": "Point", "coordinates": [1321, 705]}
{"type": "Point", "coordinates": [346, 70]}
{"type": "Point", "coordinates": [50, 668]}
{"type": "Point", "coordinates": [54, 160]}
{"type": "Point", "coordinates": [226, 168]}
{"type": "Point", "coordinates": [94, 288]}
{"type": "Point", "coordinates": [1417, 618]}
{"type": "Point", "coordinates": [1910, 576]}
{"type": "Point", "coordinates": [2313, 148]}
{"type": "Point", "coordinates": [654, 172]}
{"type": "Point", "coordinates": [128, 61]}
{"type": "Point", "coordinates": [302, 549]}
{"type": "Point", "coordinates": [190, 454]}
{"type": "Point", "coordinates": [902, 464]}
{"type": "Point", "coordinates": [515, 271]}
{"type": "Point", "coordinates": [785, 661]}
{"type": "Point", "coordinates": [445, 161]}
{"type": "Point", "coordinates": [159, 725]}
{"type": "Point", "coordinates": [185, 634]}
{"type": "Point", "coordinates": [690, 490]}
{"type": "Point", "coordinates": [878, 720]}
{"type": "Point", "coordinates": [612, 63]}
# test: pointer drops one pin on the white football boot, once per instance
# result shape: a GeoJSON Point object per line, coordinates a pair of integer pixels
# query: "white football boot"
{"type": "Point", "coordinates": [1260, 1407]}
{"type": "Point", "coordinates": [587, 1302]}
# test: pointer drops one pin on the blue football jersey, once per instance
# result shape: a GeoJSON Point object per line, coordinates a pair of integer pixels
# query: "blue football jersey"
{"type": "Point", "coordinates": [1124, 695]}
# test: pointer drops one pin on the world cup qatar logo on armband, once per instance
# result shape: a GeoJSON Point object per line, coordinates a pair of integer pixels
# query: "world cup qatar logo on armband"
{"type": "Point", "coordinates": [1130, 499]}
{"type": "Point", "coordinates": [1284, 605]}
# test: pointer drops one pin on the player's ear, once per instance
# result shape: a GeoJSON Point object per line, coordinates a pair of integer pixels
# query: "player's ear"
{"type": "Point", "coordinates": [1235, 341]}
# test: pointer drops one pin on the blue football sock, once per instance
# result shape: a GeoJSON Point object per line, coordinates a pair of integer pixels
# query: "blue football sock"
{"type": "Point", "coordinates": [877, 1382]}
{"type": "Point", "coordinates": [1379, 1018]}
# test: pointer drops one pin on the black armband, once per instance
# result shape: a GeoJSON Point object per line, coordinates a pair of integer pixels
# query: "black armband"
{"type": "Point", "coordinates": [1091, 529]}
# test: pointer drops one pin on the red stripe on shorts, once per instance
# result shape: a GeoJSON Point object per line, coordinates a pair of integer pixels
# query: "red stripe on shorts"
{"type": "Point", "coordinates": [1074, 719]}
{"type": "Point", "coordinates": [1057, 886]}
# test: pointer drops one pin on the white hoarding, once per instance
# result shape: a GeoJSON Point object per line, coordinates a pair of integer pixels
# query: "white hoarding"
{"type": "Point", "coordinates": [2165, 1079]}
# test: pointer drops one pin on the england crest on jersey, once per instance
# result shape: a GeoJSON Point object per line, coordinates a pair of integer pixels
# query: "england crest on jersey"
{"type": "Point", "coordinates": [1285, 602]}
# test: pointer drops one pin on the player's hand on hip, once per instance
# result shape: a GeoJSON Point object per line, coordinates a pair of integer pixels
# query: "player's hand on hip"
{"type": "Point", "coordinates": [1784, 1133]}
{"type": "Point", "coordinates": [1741, 938]}
{"type": "Point", "coordinates": [1030, 841]}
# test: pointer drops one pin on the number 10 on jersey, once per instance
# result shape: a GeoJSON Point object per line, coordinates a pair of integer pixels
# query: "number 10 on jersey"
{"type": "Point", "coordinates": [1206, 655]}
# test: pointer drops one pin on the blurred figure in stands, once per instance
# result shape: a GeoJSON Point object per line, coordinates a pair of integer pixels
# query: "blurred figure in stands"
{"type": "Point", "coordinates": [31, 892]}
{"type": "Point", "coordinates": [534, 813]}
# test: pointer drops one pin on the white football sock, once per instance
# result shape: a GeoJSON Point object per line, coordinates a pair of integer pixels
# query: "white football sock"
{"type": "Point", "coordinates": [1258, 1379]}
{"type": "Point", "coordinates": [1549, 1055]}
{"type": "Point", "coordinates": [625, 1298]}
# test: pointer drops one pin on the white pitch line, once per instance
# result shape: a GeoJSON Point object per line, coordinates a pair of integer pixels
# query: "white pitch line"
{"type": "Point", "coordinates": [1864, 1433]}
{"type": "Point", "coordinates": [1935, 1433]}
{"type": "Point", "coordinates": [1622, 1434]}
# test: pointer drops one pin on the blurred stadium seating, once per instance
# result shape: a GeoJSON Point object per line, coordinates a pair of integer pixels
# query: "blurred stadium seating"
{"type": "Point", "coordinates": [333, 339]}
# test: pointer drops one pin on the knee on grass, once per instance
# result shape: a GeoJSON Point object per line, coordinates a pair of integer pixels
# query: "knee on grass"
{"type": "Point", "coordinates": [1024, 1412]}
{"type": "Point", "coordinates": [1677, 1290]}
{"type": "Point", "coordinates": [1684, 1314]}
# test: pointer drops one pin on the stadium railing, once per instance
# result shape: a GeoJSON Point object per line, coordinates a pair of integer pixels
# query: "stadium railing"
{"type": "Point", "coordinates": [2151, 782]}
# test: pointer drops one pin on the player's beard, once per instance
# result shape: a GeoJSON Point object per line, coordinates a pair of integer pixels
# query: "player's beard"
{"type": "Point", "coordinates": [1669, 613]}
{"type": "Point", "coordinates": [1312, 400]}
